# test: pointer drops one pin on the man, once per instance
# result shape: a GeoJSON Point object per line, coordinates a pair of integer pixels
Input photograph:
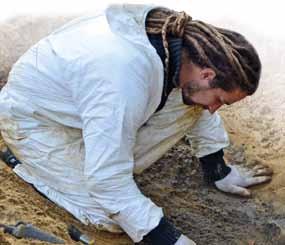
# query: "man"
{"type": "Point", "coordinates": [105, 96]}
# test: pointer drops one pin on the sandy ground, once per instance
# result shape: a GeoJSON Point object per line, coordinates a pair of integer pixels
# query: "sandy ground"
{"type": "Point", "coordinates": [256, 128]}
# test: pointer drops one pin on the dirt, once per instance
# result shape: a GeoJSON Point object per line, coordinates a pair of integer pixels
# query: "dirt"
{"type": "Point", "coordinates": [200, 211]}
{"type": "Point", "coordinates": [176, 183]}
{"type": "Point", "coordinates": [256, 129]}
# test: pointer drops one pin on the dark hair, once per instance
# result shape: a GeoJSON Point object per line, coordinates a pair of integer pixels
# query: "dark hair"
{"type": "Point", "coordinates": [228, 77]}
{"type": "Point", "coordinates": [228, 53]}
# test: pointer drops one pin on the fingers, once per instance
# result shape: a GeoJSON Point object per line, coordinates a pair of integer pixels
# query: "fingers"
{"type": "Point", "coordinates": [263, 171]}
{"type": "Point", "coordinates": [233, 189]}
{"type": "Point", "coordinates": [257, 180]}
{"type": "Point", "coordinates": [257, 170]}
{"type": "Point", "coordinates": [237, 190]}
{"type": "Point", "coordinates": [240, 177]}
{"type": "Point", "coordinates": [258, 166]}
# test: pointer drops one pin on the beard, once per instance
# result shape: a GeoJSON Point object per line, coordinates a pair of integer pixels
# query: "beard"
{"type": "Point", "coordinates": [191, 88]}
{"type": "Point", "coordinates": [186, 98]}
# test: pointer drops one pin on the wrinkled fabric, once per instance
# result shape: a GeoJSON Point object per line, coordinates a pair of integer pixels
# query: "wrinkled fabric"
{"type": "Point", "coordinates": [208, 135]}
{"type": "Point", "coordinates": [76, 112]}
{"type": "Point", "coordinates": [163, 130]}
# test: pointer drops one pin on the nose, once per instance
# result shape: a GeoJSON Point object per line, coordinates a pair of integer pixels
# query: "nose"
{"type": "Point", "coordinates": [213, 108]}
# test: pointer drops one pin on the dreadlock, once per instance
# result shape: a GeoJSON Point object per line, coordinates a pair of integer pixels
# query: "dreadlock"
{"type": "Point", "coordinates": [228, 53]}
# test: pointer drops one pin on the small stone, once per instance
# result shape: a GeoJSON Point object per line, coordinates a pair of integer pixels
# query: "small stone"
{"type": "Point", "coordinates": [276, 230]}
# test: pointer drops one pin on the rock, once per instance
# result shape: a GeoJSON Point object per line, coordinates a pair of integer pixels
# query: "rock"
{"type": "Point", "coordinates": [275, 230]}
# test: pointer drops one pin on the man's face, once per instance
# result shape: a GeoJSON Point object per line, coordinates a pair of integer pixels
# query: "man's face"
{"type": "Point", "coordinates": [210, 98]}
{"type": "Point", "coordinates": [194, 82]}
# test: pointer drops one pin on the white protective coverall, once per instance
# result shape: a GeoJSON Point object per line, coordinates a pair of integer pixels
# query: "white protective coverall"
{"type": "Point", "coordinates": [78, 112]}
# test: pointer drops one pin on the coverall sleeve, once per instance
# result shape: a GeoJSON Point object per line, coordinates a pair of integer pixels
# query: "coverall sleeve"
{"type": "Point", "coordinates": [109, 130]}
{"type": "Point", "coordinates": [208, 134]}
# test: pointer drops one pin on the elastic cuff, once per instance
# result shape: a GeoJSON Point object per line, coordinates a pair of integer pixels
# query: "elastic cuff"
{"type": "Point", "coordinates": [214, 167]}
{"type": "Point", "coordinates": [165, 233]}
{"type": "Point", "coordinates": [8, 157]}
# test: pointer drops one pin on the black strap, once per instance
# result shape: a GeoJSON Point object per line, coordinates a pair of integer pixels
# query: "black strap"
{"type": "Point", "coordinates": [214, 167]}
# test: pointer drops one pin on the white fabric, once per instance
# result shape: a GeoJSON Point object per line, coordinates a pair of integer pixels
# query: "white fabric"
{"type": "Point", "coordinates": [208, 135]}
{"type": "Point", "coordinates": [163, 130]}
{"type": "Point", "coordinates": [183, 240]}
{"type": "Point", "coordinates": [74, 112]}
{"type": "Point", "coordinates": [241, 177]}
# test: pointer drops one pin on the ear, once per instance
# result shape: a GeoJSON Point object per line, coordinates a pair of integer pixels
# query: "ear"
{"type": "Point", "coordinates": [207, 74]}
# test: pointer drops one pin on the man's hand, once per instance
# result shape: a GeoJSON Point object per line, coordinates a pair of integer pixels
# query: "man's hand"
{"type": "Point", "coordinates": [241, 177]}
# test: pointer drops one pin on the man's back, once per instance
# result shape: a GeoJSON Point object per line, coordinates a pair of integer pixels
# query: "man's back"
{"type": "Point", "coordinates": [84, 55]}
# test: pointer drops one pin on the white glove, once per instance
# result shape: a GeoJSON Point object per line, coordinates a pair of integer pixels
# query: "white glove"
{"type": "Point", "coordinates": [241, 177]}
{"type": "Point", "coordinates": [184, 240]}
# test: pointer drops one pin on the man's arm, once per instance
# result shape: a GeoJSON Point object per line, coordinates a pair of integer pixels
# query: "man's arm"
{"type": "Point", "coordinates": [109, 131]}
{"type": "Point", "coordinates": [209, 138]}
{"type": "Point", "coordinates": [109, 135]}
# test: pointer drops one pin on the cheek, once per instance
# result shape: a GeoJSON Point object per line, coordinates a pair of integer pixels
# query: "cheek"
{"type": "Point", "coordinates": [203, 98]}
